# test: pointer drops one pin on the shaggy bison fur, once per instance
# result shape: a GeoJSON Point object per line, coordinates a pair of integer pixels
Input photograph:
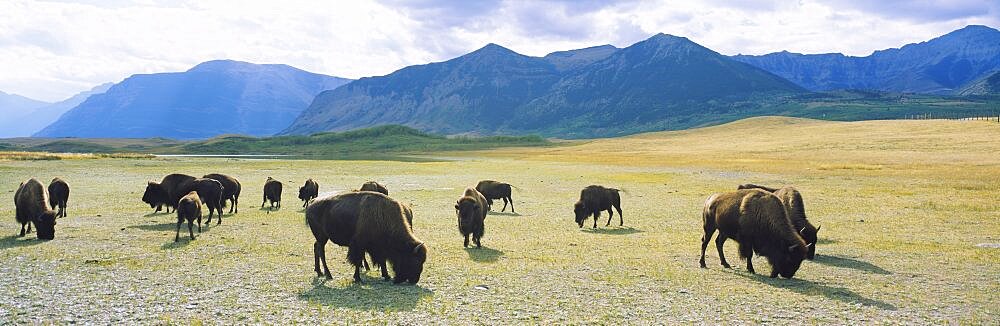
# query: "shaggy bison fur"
{"type": "Point", "coordinates": [308, 192]}
{"type": "Point", "coordinates": [231, 190]}
{"type": "Point", "coordinates": [471, 209]}
{"type": "Point", "coordinates": [58, 196]}
{"type": "Point", "coordinates": [496, 190]}
{"type": "Point", "coordinates": [189, 208]}
{"type": "Point", "coordinates": [756, 220]}
{"type": "Point", "coordinates": [367, 222]}
{"type": "Point", "coordinates": [272, 192]}
{"type": "Point", "coordinates": [796, 212]}
{"type": "Point", "coordinates": [167, 192]}
{"type": "Point", "coordinates": [593, 200]}
{"type": "Point", "coordinates": [374, 186]}
{"type": "Point", "coordinates": [32, 207]}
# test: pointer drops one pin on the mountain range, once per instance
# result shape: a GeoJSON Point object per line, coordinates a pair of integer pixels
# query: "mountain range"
{"type": "Point", "coordinates": [212, 98]}
{"type": "Point", "coordinates": [663, 82]}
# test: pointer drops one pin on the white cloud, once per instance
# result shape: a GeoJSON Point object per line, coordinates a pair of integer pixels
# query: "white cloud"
{"type": "Point", "coordinates": [51, 50]}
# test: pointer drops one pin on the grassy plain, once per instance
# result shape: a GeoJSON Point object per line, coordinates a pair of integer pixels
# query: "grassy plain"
{"type": "Point", "coordinates": [909, 213]}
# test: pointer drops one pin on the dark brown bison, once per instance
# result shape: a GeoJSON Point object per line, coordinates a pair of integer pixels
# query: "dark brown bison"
{"type": "Point", "coordinates": [210, 191]}
{"type": "Point", "coordinates": [796, 212]}
{"type": "Point", "coordinates": [308, 191]}
{"type": "Point", "coordinates": [167, 192]}
{"type": "Point", "coordinates": [756, 220]}
{"type": "Point", "coordinates": [232, 189]}
{"type": "Point", "coordinates": [189, 208]}
{"type": "Point", "coordinates": [593, 200]}
{"type": "Point", "coordinates": [496, 190]}
{"type": "Point", "coordinates": [471, 209]}
{"type": "Point", "coordinates": [374, 186]}
{"type": "Point", "coordinates": [366, 222]}
{"type": "Point", "coordinates": [272, 192]}
{"type": "Point", "coordinates": [58, 196]}
{"type": "Point", "coordinates": [32, 207]}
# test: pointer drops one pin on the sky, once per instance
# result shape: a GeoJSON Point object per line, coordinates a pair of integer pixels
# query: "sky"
{"type": "Point", "coordinates": [50, 50]}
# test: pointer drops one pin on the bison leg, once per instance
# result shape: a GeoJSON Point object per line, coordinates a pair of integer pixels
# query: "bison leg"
{"type": "Point", "coordinates": [475, 238]}
{"type": "Point", "coordinates": [317, 250]}
{"type": "Point", "coordinates": [199, 223]}
{"type": "Point", "coordinates": [385, 271]}
{"type": "Point", "coordinates": [611, 214]}
{"type": "Point", "coordinates": [219, 208]}
{"type": "Point", "coordinates": [505, 205]}
{"type": "Point", "coordinates": [746, 252]}
{"type": "Point", "coordinates": [191, 228]}
{"type": "Point", "coordinates": [29, 226]}
{"type": "Point", "coordinates": [356, 256]}
{"type": "Point", "coordinates": [774, 272]}
{"type": "Point", "coordinates": [511, 200]}
{"type": "Point", "coordinates": [621, 217]}
{"type": "Point", "coordinates": [22, 229]}
{"type": "Point", "coordinates": [719, 241]}
{"type": "Point", "coordinates": [465, 245]}
{"type": "Point", "coordinates": [177, 236]}
{"type": "Point", "coordinates": [704, 244]}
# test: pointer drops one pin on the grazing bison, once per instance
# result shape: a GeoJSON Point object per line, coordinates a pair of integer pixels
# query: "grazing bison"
{"type": "Point", "coordinates": [756, 220]}
{"type": "Point", "coordinates": [593, 200]}
{"type": "Point", "coordinates": [796, 212]}
{"type": "Point", "coordinates": [496, 190]}
{"type": "Point", "coordinates": [308, 192]}
{"type": "Point", "coordinates": [374, 186]}
{"type": "Point", "coordinates": [32, 207]}
{"type": "Point", "coordinates": [366, 222]}
{"type": "Point", "coordinates": [189, 208]}
{"type": "Point", "coordinates": [471, 210]}
{"type": "Point", "coordinates": [272, 192]}
{"type": "Point", "coordinates": [58, 196]}
{"type": "Point", "coordinates": [232, 188]}
{"type": "Point", "coordinates": [210, 191]}
{"type": "Point", "coordinates": [167, 192]}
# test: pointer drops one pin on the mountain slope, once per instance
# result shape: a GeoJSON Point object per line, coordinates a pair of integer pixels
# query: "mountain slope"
{"type": "Point", "coordinates": [493, 90]}
{"type": "Point", "coordinates": [989, 85]}
{"type": "Point", "coordinates": [46, 115]}
{"type": "Point", "coordinates": [13, 110]}
{"type": "Point", "coordinates": [938, 66]}
{"type": "Point", "coordinates": [212, 98]}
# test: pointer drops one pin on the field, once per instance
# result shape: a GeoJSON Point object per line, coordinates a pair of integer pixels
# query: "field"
{"type": "Point", "coordinates": [909, 213]}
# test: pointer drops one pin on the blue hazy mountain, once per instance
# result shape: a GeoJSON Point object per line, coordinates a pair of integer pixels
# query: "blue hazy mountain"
{"type": "Point", "coordinates": [212, 98]}
{"type": "Point", "coordinates": [938, 66]}
{"type": "Point", "coordinates": [13, 110]}
{"type": "Point", "coordinates": [494, 90]}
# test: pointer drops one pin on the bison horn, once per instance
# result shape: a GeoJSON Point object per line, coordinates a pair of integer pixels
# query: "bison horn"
{"type": "Point", "coordinates": [809, 245]}
{"type": "Point", "coordinates": [818, 227]}
{"type": "Point", "coordinates": [792, 247]}
{"type": "Point", "coordinates": [802, 230]}
{"type": "Point", "coordinates": [417, 248]}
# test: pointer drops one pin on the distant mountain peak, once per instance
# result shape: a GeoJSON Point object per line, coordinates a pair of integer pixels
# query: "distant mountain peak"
{"type": "Point", "coordinates": [234, 65]}
{"type": "Point", "coordinates": [493, 49]}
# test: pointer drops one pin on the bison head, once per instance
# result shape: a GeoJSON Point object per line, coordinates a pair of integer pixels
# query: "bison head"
{"type": "Point", "coordinates": [809, 234]}
{"type": "Point", "coordinates": [154, 195]}
{"type": "Point", "coordinates": [788, 262]}
{"type": "Point", "coordinates": [468, 210]}
{"type": "Point", "coordinates": [410, 265]}
{"type": "Point", "coordinates": [303, 193]}
{"type": "Point", "coordinates": [45, 223]}
{"type": "Point", "coordinates": [581, 212]}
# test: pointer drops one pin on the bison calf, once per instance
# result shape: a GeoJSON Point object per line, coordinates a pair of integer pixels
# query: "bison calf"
{"type": "Point", "coordinates": [231, 190]}
{"type": "Point", "coordinates": [58, 196]}
{"type": "Point", "coordinates": [593, 200]}
{"type": "Point", "coordinates": [756, 220]}
{"type": "Point", "coordinates": [374, 186]}
{"type": "Point", "coordinates": [795, 211]}
{"type": "Point", "coordinates": [189, 208]}
{"type": "Point", "coordinates": [308, 191]}
{"type": "Point", "coordinates": [496, 190]}
{"type": "Point", "coordinates": [471, 210]}
{"type": "Point", "coordinates": [31, 207]}
{"type": "Point", "coordinates": [272, 192]}
{"type": "Point", "coordinates": [366, 222]}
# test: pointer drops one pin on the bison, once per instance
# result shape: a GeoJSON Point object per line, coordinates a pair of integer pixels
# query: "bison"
{"type": "Point", "coordinates": [189, 208]}
{"type": "Point", "coordinates": [366, 222]}
{"type": "Point", "coordinates": [272, 192]}
{"type": "Point", "coordinates": [231, 187]}
{"type": "Point", "coordinates": [211, 192]}
{"type": "Point", "coordinates": [471, 209]}
{"type": "Point", "coordinates": [496, 190]}
{"type": "Point", "coordinates": [374, 186]}
{"type": "Point", "coordinates": [593, 200]}
{"type": "Point", "coordinates": [795, 211]}
{"type": "Point", "coordinates": [308, 192]}
{"type": "Point", "coordinates": [167, 192]}
{"type": "Point", "coordinates": [32, 207]}
{"type": "Point", "coordinates": [756, 220]}
{"type": "Point", "coordinates": [58, 196]}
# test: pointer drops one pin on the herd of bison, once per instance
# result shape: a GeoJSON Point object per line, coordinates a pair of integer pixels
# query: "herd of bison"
{"type": "Point", "coordinates": [767, 221]}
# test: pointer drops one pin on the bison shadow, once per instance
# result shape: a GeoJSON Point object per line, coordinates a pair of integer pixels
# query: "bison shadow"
{"type": "Point", "coordinates": [169, 226]}
{"type": "Point", "coordinates": [269, 209]}
{"type": "Point", "coordinates": [844, 262]}
{"type": "Point", "coordinates": [157, 214]}
{"type": "Point", "coordinates": [484, 254]}
{"type": "Point", "coordinates": [807, 287]}
{"type": "Point", "coordinates": [613, 230]}
{"type": "Point", "coordinates": [374, 295]}
{"type": "Point", "coordinates": [504, 213]}
{"type": "Point", "coordinates": [185, 241]}
{"type": "Point", "coordinates": [12, 241]}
